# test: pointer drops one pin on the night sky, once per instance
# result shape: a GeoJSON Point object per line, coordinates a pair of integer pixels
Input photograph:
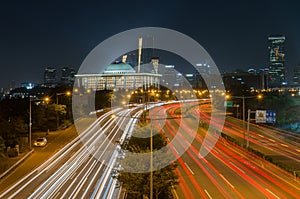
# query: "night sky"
{"type": "Point", "coordinates": [38, 34]}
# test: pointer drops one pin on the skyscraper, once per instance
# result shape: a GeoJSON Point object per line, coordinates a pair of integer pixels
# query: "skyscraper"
{"type": "Point", "coordinates": [296, 76]}
{"type": "Point", "coordinates": [67, 75]}
{"type": "Point", "coordinates": [49, 75]}
{"type": "Point", "coordinates": [277, 72]}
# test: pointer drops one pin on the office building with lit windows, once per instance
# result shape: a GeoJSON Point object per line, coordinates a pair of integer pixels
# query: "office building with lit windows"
{"type": "Point", "coordinates": [50, 75]}
{"type": "Point", "coordinates": [296, 76]}
{"type": "Point", "coordinates": [67, 75]}
{"type": "Point", "coordinates": [277, 72]}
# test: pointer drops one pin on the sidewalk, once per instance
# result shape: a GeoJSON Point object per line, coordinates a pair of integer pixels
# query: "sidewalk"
{"type": "Point", "coordinates": [56, 140]}
{"type": "Point", "coordinates": [19, 160]}
{"type": "Point", "coordinates": [6, 162]}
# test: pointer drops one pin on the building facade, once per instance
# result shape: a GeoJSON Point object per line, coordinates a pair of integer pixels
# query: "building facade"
{"type": "Point", "coordinates": [296, 75]}
{"type": "Point", "coordinates": [244, 81]}
{"type": "Point", "coordinates": [50, 75]}
{"type": "Point", "coordinates": [117, 76]}
{"type": "Point", "coordinates": [277, 71]}
{"type": "Point", "coordinates": [67, 75]}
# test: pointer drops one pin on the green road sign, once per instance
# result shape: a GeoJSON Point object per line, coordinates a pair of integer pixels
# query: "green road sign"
{"type": "Point", "coordinates": [228, 103]}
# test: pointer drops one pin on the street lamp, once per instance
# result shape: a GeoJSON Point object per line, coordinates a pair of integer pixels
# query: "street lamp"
{"type": "Point", "coordinates": [46, 99]}
{"type": "Point", "coordinates": [151, 162]}
{"type": "Point", "coordinates": [68, 93]}
{"type": "Point", "coordinates": [237, 110]}
{"type": "Point", "coordinates": [243, 106]}
{"type": "Point", "coordinates": [146, 100]}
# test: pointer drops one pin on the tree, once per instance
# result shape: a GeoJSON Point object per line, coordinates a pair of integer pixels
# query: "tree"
{"type": "Point", "coordinates": [284, 105]}
{"type": "Point", "coordinates": [78, 111]}
{"type": "Point", "coordinates": [104, 99]}
{"type": "Point", "coordinates": [39, 119]}
{"type": "Point", "coordinates": [2, 145]}
{"type": "Point", "coordinates": [7, 133]}
{"type": "Point", "coordinates": [140, 138]}
{"type": "Point", "coordinates": [14, 120]}
{"type": "Point", "coordinates": [19, 125]}
{"type": "Point", "coordinates": [61, 110]}
{"type": "Point", "coordinates": [138, 184]}
{"type": "Point", "coordinates": [45, 116]}
{"type": "Point", "coordinates": [3, 128]}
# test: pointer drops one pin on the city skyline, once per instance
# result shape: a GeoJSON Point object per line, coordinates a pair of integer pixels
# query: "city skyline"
{"type": "Point", "coordinates": [58, 34]}
{"type": "Point", "coordinates": [150, 99]}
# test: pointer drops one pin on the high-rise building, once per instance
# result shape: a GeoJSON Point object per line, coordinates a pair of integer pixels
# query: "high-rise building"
{"type": "Point", "coordinates": [50, 75]}
{"type": "Point", "coordinates": [12, 85]}
{"type": "Point", "coordinates": [202, 73]}
{"type": "Point", "coordinates": [67, 75]}
{"type": "Point", "coordinates": [296, 76]}
{"type": "Point", "coordinates": [237, 82]}
{"type": "Point", "coordinates": [277, 72]}
{"type": "Point", "coordinates": [168, 76]}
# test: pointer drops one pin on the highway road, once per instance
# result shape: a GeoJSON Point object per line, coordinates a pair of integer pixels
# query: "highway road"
{"type": "Point", "coordinates": [228, 171]}
{"type": "Point", "coordinates": [283, 147]}
{"type": "Point", "coordinates": [81, 172]}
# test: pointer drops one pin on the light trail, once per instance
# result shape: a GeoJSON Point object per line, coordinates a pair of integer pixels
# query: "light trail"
{"type": "Point", "coordinates": [238, 161]}
{"type": "Point", "coordinates": [66, 180]}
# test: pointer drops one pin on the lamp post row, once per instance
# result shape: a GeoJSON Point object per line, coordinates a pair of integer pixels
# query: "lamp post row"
{"type": "Point", "coordinates": [46, 99]}
{"type": "Point", "coordinates": [68, 93]}
{"type": "Point", "coordinates": [243, 99]}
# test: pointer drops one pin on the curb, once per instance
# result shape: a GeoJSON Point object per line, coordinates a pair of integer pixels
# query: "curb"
{"type": "Point", "coordinates": [16, 164]}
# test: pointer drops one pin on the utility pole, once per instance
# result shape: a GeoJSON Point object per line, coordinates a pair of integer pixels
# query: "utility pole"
{"type": "Point", "coordinates": [29, 136]}
{"type": "Point", "coordinates": [248, 127]}
{"type": "Point", "coordinates": [243, 97]}
{"type": "Point", "coordinates": [151, 164]}
{"type": "Point", "coordinates": [30, 117]}
{"type": "Point", "coordinates": [68, 93]}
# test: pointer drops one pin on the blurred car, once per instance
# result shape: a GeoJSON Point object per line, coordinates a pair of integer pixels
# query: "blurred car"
{"type": "Point", "coordinates": [40, 142]}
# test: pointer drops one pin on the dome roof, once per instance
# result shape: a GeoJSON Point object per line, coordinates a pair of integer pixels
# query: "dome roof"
{"type": "Point", "coordinates": [119, 67]}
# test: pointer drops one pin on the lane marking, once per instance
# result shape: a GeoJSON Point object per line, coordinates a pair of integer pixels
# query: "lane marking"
{"type": "Point", "coordinates": [216, 151]}
{"type": "Point", "coordinates": [56, 195]}
{"type": "Point", "coordinates": [271, 140]}
{"type": "Point", "coordinates": [176, 150]}
{"type": "Point", "coordinates": [261, 135]}
{"type": "Point", "coordinates": [72, 175]}
{"type": "Point", "coordinates": [272, 193]}
{"type": "Point", "coordinates": [226, 181]}
{"type": "Point", "coordinates": [189, 168]}
{"type": "Point", "coordinates": [207, 194]}
{"type": "Point", "coordinates": [284, 145]}
{"type": "Point", "coordinates": [237, 167]}
{"type": "Point", "coordinates": [174, 192]}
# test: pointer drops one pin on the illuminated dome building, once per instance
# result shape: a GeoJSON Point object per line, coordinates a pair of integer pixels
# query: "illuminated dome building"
{"type": "Point", "coordinates": [118, 75]}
